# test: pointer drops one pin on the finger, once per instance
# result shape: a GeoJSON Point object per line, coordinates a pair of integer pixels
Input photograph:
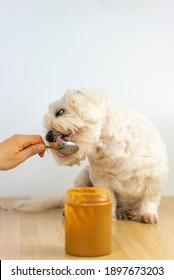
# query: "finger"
{"type": "Point", "coordinates": [32, 150]}
{"type": "Point", "coordinates": [42, 154]}
{"type": "Point", "coordinates": [29, 140]}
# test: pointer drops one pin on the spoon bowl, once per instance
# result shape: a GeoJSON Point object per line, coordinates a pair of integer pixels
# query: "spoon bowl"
{"type": "Point", "coordinates": [65, 148]}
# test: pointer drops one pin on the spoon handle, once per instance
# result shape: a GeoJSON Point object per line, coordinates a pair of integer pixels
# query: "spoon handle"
{"type": "Point", "coordinates": [52, 147]}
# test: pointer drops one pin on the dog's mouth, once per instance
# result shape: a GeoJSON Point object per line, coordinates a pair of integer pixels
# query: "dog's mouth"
{"type": "Point", "coordinates": [62, 137]}
{"type": "Point", "coordinates": [66, 147]}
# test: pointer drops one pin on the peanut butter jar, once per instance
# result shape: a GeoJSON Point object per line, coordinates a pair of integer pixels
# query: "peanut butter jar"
{"type": "Point", "coordinates": [88, 222]}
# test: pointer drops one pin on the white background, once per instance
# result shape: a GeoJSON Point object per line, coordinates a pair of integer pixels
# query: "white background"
{"type": "Point", "coordinates": [125, 47]}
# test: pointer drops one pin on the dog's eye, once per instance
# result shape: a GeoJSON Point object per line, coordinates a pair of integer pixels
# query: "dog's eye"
{"type": "Point", "coordinates": [59, 113]}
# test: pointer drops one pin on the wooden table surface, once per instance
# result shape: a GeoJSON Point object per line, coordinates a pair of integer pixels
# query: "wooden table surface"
{"type": "Point", "coordinates": [35, 236]}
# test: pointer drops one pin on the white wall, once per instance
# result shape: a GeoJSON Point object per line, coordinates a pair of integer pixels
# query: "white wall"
{"type": "Point", "coordinates": [124, 47]}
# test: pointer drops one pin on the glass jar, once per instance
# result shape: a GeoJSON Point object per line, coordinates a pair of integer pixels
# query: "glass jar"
{"type": "Point", "coordinates": [88, 222]}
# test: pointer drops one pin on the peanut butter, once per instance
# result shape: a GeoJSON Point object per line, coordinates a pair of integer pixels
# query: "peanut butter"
{"type": "Point", "coordinates": [88, 222]}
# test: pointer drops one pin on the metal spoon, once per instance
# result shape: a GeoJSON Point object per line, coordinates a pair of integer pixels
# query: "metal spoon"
{"type": "Point", "coordinates": [64, 148]}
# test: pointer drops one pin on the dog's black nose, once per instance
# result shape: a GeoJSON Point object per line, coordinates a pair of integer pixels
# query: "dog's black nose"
{"type": "Point", "coordinates": [50, 136]}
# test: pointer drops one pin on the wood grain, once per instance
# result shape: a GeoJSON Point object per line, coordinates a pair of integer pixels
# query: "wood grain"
{"type": "Point", "coordinates": [41, 235]}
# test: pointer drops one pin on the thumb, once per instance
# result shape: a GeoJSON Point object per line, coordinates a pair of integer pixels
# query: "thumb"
{"type": "Point", "coordinates": [32, 150]}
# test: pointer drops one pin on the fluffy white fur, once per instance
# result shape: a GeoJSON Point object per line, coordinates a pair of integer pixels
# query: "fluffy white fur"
{"type": "Point", "coordinates": [125, 153]}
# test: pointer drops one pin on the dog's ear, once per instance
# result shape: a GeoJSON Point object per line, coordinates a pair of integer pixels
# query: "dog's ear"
{"type": "Point", "coordinates": [87, 104]}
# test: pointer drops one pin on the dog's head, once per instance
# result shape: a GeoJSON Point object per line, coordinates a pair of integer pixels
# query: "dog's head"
{"type": "Point", "coordinates": [76, 117]}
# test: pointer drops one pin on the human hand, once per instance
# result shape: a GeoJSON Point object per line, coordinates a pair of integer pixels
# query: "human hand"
{"type": "Point", "coordinates": [18, 148]}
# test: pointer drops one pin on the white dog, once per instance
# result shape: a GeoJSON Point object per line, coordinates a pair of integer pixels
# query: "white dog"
{"type": "Point", "coordinates": [124, 150]}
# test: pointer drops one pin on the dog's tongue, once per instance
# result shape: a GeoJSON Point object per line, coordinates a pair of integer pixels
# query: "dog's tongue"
{"type": "Point", "coordinates": [59, 139]}
{"type": "Point", "coordinates": [65, 148]}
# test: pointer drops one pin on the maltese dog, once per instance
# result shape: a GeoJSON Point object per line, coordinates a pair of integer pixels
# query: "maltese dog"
{"type": "Point", "coordinates": [124, 150]}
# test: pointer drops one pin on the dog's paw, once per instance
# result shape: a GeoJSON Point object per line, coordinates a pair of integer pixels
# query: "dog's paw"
{"type": "Point", "coordinates": [127, 214]}
{"type": "Point", "coordinates": [148, 218]}
{"type": "Point", "coordinates": [114, 215]}
{"type": "Point", "coordinates": [114, 218]}
{"type": "Point", "coordinates": [26, 205]}
{"type": "Point", "coordinates": [63, 212]}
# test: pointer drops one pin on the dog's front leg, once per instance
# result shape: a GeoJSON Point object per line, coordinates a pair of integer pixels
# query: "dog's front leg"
{"type": "Point", "coordinates": [148, 212]}
{"type": "Point", "coordinates": [83, 179]}
{"type": "Point", "coordinates": [114, 205]}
